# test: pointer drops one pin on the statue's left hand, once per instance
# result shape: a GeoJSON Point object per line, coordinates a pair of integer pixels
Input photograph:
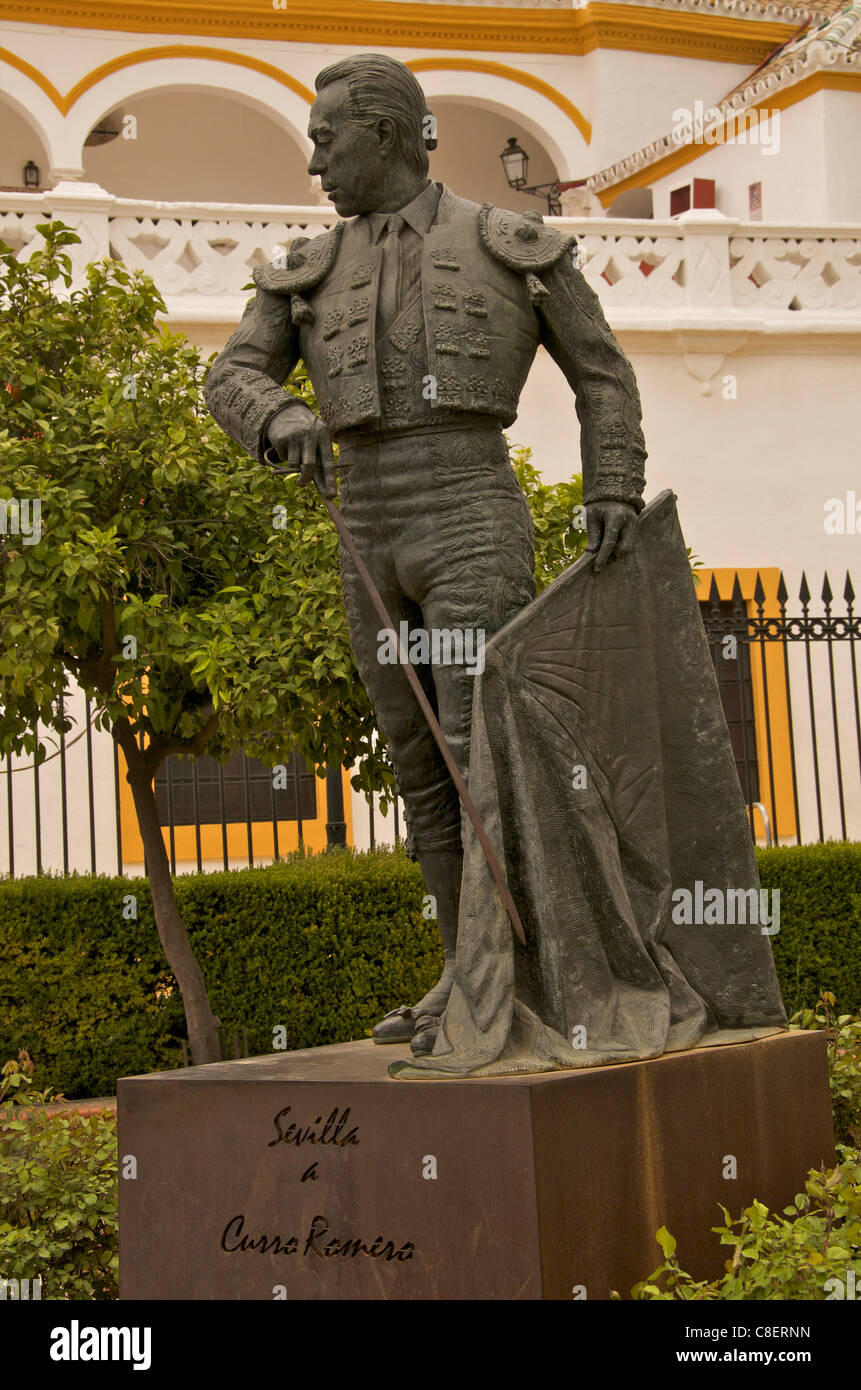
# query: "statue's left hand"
{"type": "Point", "coordinates": [610, 528]}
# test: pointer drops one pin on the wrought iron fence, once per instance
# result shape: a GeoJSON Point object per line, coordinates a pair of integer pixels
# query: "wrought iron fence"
{"type": "Point", "coordinates": [788, 682]}
{"type": "Point", "coordinates": [789, 687]}
{"type": "Point", "coordinates": [83, 803]}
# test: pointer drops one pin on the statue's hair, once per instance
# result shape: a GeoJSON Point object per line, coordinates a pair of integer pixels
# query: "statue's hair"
{"type": "Point", "coordinates": [380, 86]}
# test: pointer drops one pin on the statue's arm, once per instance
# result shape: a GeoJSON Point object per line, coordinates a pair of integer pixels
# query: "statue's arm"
{"type": "Point", "coordinates": [244, 389]}
{"type": "Point", "coordinates": [578, 337]}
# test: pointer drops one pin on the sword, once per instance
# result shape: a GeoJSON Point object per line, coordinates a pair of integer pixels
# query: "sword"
{"type": "Point", "coordinates": [271, 457]}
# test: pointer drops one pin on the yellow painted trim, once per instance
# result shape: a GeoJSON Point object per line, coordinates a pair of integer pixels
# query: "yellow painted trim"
{"type": "Point", "coordinates": [395, 24]}
{"type": "Point", "coordinates": [7, 56]}
{"type": "Point", "coordinates": [778, 100]}
{"type": "Point", "coordinates": [153, 55]}
{"type": "Point", "coordinates": [775, 678]}
{"type": "Point", "coordinates": [510, 75]}
{"type": "Point", "coordinates": [212, 857]}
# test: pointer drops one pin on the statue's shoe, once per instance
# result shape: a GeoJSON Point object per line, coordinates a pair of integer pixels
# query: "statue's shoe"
{"type": "Point", "coordinates": [398, 1026]}
{"type": "Point", "coordinates": [427, 1027]}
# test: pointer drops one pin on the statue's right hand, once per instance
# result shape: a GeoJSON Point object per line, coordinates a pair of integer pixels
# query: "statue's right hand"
{"type": "Point", "coordinates": [300, 437]}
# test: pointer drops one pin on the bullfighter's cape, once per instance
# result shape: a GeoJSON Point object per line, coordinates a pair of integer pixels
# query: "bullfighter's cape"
{"type": "Point", "coordinates": [607, 675]}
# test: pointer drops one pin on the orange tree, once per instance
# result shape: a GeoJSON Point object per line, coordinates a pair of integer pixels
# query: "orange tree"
{"type": "Point", "coordinates": [190, 593]}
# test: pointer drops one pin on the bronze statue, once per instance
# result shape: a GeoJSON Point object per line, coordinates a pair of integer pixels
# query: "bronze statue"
{"type": "Point", "coordinates": [418, 319]}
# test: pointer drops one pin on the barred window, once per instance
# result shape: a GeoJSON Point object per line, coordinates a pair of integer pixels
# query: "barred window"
{"type": "Point", "coordinates": [736, 693]}
{"type": "Point", "coordinates": [242, 784]}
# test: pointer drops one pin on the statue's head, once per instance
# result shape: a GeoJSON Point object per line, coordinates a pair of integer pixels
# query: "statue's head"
{"type": "Point", "coordinates": [371, 131]}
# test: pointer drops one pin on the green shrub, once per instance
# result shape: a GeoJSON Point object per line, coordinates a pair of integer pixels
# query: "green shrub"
{"type": "Point", "coordinates": [80, 985]}
{"type": "Point", "coordinates": [844, 1065]}
{"type": "Point", "coordinates": [792, 1255]}
{"type": "Point", "coordinates": [322, 945]}
{"type": "Point", "coordinates": [818, 946]}
{"type": "Point", "coordinates": [58, 1201]}
{"type": "Point", "coordinates": [818, 1238]}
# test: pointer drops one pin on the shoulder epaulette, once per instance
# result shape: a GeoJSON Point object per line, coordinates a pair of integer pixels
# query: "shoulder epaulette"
{"type": "Point", "coordinates": [521, 240]}
{"type": "Point", "coordinates": [303, 266]}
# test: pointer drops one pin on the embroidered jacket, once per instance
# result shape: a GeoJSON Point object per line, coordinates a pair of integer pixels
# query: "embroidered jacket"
{"type": "Point", "coordinates": [494, 285]}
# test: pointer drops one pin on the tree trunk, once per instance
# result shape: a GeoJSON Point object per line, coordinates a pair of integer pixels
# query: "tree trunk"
{"type": "Point", "coordinates": [202, 1023]}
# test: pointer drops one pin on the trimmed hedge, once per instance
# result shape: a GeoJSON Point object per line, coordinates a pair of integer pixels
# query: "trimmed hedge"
{"type": "Point", "coordinates": [818, 946]}
{"type": "Point", "coordinates": [323, 946]}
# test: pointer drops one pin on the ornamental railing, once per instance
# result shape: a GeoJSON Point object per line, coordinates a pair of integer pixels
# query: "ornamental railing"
{"type": "Point", "coordinates": [201, 256]}
{"type": "Point", "coordinates": [788, 679]}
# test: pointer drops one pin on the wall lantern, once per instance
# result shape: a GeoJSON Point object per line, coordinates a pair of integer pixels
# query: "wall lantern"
{"type": "Point", "coordinates": [515, 162]}
{"type": "Point", "coordinates": [31, 174]}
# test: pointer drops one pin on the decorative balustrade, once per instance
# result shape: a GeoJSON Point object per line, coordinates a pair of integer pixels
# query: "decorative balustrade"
{"type": "Point", "coordinates": [208, 256]}
{"type": "Point", "coordinates": [700, 265]}
{"type": "Point", "coordinates": [796, 272]}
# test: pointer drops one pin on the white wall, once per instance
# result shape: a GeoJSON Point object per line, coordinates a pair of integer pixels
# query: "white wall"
{"type": "Point", "coordinates": [841, 146]}
{"type": "Point", "coordinates": [795, 179]}
{"type": "Point", "coordinates": [752, 474]}
{"type": "Point", "coordinates": [627, 97]}
{"type": "Point", "coordinates": [636, 94]}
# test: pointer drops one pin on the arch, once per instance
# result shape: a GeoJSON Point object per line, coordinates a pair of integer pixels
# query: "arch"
{"type": "Point", "coordinates": [175, 50]}
{"type": "Point", "coordinates": [34, 98]}
{"type": "Point", "coordinates": [258, 85]}
{"type": "Point", "coordinates": [541, 115]}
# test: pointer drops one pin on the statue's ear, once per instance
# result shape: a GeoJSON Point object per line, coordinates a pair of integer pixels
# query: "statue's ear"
{"type": "Point", "coordinates": [386, 135]}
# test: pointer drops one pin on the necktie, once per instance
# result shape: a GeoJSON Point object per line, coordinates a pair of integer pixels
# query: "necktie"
{"type": "Point", "coordinates": [390, 274]}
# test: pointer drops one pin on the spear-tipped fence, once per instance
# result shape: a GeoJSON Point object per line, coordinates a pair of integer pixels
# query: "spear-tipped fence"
{"type": "Point", "coordinates": [789, 688]}
{"type": "Point", "coordinates": [788, 683]}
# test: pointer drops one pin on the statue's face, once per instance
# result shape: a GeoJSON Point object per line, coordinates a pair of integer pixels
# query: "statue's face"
{"type": "Point", "coordinates": [347, 157]}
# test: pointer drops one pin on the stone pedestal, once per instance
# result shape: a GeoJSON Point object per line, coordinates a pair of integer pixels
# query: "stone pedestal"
{"type": "Point", "coordinates": [312, 1175]}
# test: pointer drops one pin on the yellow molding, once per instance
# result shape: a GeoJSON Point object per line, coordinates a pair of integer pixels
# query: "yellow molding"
{"type": "Point", "coordinates": [21, 65]}
{"type": "Point", "coordinates": [511, 75]}
{"type": "Point", "coordinates": [64, 102]}
{"type": "Point", "coordinates": [777, 100]}
{"type": "Point", "coordinates": [396, 24]}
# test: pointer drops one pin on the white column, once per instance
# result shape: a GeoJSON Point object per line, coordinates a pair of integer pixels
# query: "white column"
{"type": "Point", "coordinates": [85, 208]}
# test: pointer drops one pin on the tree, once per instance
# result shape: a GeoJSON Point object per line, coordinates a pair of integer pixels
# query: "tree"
{"type": "Point", "coordinates": [192, 594]}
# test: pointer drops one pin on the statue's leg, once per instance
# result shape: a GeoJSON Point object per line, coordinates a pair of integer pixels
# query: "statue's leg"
{"type": "Point", "coordinates": [430, 801]}
{"type": "Point", "coordinates": [446, 534]}
{"type": "Point", "coordinates": [466, 556]}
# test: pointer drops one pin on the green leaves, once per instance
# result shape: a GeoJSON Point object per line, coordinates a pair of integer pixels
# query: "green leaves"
{"type": "Point", "coordinates": [156, 527]}
{"type": "Point", "coordinates": [793, 1256]}
{"type": "Point", "coordinates": [818, 1237]}
{"type": "Point", "coordinates": [327, 944]}
{"type": "Point", "coordinates": [58, 1202]}
{"type": "Point", "coordinates": [556, 515]}
{"type": "Point", "coordinates": [844, 1063]}
{"type": "Point", "coordinates": [666, 1242]}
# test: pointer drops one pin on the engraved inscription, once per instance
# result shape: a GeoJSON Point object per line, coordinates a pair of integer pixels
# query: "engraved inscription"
{"type": "Point", "coordinates": [319, 1241]}
{"type": "Point", "coordinates": [334, 1131]}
